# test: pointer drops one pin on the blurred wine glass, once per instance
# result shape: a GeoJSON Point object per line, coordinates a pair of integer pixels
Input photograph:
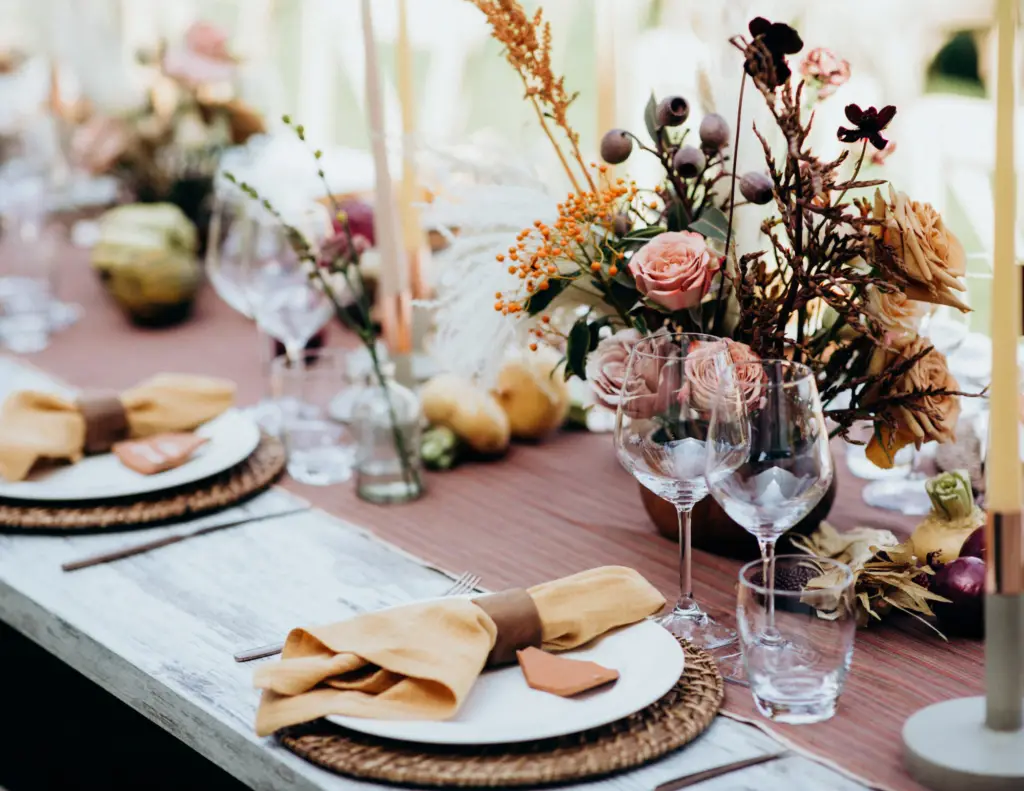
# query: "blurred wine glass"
{"type": "Point", "coordinates": [286, 303]}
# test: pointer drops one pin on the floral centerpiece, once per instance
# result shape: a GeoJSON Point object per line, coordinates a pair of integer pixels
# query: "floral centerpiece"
{"type": "Point", "coordinates": [848, 265]}
{"type": "Point", "coordinates": [168, 149]}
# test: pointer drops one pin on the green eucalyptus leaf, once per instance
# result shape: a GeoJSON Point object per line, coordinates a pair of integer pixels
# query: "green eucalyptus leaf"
{"type": "Point", "coordinates": [577, 347]}
{"type": "Point", "coordinates": [650, 118]}
{"type": "Point", "coordinates": [676, 217]}
{"type": "Point", "coordinates": [644, 234]}
{"type": "Point", "coordinates": [712, 224]}
{"type": "Point", "coordinates": [595, 328]}
{"type": "Point", "coordinates": [540, 300]}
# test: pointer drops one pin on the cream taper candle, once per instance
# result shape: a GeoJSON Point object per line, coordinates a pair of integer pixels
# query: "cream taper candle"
{"type": "Point", "coordinates": [604, 52]}
{"type": "Point", "coordinates": [1003, 469]}
{"type": "Point", "coordinates": [406, 97]}
{"type": "Point", "coordinates": [393, 278]}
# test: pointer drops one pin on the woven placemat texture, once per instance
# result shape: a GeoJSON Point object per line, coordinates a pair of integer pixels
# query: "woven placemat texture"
{"type": "Point", "coordinates": [228, 488]}
{"type": "Point", "coordinates": [676, 719]}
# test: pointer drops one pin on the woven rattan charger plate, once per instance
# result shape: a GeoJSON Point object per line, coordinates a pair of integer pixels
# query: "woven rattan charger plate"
{"type": "Point", "coordinates": [679, 717]}
{"type": "Point", "coordinates": [228, 488]}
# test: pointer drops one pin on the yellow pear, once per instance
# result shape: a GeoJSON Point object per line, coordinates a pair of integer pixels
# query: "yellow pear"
{"type": "Point", "coordinates": [471, 412]}
{"type": "Point", "coordinates": [533, 392]}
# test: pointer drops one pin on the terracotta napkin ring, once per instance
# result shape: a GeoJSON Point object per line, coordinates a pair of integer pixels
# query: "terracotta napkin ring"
{"type": "Point", "coordinates": [106, 421]}
{"type": "Point", "coordinates": [518, 621]}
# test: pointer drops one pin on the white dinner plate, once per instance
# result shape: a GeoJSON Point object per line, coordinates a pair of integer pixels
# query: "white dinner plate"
{"type": "Point", "coordinates": [233, 437]}
{"type": "Point", "coordinates": [502, 709]}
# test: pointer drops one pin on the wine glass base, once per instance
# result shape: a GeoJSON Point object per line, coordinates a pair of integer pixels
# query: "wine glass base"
{"type": "Point", "coordinates": [908, 496]}
{"type": "Point", "coordinates": [697, 628]}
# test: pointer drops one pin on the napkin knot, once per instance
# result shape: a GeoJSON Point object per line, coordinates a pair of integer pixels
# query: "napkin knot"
{"type": "Point", "coordinates": [517, 622]}
{"type": "Point", "coordinates": [106, 420]}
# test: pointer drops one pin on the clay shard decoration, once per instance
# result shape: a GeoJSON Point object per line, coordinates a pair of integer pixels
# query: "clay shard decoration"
{"type": "Point", "coordinates": [561, 676]}
{"type": "Point", "coordinates": [158, 453]}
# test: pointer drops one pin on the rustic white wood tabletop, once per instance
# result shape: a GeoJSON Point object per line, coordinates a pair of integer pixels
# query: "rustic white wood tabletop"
{"type": "Point", "coordinates": [158, 631]}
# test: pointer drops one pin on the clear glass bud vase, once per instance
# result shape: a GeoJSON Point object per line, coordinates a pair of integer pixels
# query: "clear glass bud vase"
{"type": "Point", "coordinates": [386, 420]}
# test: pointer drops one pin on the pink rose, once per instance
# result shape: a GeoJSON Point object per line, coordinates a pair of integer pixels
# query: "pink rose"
{"type": "Point", "coordinates": [208, 40]}
{"type": "Point", "coordinates": [99, 143]}
{"type": "Point", "coordinates": [827, 70]}
{"type": "Point", "coordinates": [606, 366]}
{"type": "Point", "coordinates": [705, 363]}
{"type": "Point", "coordinates": [203, 59]}
{"type": "Point", "coordinates": [674, 269]}
{"type": "Point", "coordinates": [653, 379]}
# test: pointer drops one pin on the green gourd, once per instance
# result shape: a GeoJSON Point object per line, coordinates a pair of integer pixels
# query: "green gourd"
{"type": "Point", "coordinates": [146, 258]}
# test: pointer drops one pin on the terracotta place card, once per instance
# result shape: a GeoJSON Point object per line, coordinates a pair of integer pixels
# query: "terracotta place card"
{"type": "Point", "coordinates": [561, 676]}
{"type": "Point", "coordinates": [158, 453]}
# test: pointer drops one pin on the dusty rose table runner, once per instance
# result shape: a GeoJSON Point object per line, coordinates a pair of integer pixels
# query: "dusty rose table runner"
{"type": "Point", "coordinates": [546, 511]}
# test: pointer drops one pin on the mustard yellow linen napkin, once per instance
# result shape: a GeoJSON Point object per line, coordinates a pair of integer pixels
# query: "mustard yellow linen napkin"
{"type": "Point", "coordinates": [421, 660]}
{"type": "Point", "coordinates": [35, 425]}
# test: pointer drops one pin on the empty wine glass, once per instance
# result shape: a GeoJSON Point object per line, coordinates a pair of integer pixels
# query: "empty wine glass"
{"type": "Point", "coordinates": [287, 305]}
{"type": "Point", "coordinates": [660, 433]}
{"type": "Point", "coordinates": [230, 244]}
{"type": "Point", "coordinates": [768, 458]}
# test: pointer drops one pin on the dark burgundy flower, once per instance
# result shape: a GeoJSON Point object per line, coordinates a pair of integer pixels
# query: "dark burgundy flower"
{"type": "Point", "coordinates": [780, 40]}
{"type": "Point", "coordinates": [867, 125]}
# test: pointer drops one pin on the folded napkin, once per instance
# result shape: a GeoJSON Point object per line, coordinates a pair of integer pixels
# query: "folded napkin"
{"type": "Point", "coordinates": [36, 425]}
{"type": "Point", "coordinates": [421, 660]}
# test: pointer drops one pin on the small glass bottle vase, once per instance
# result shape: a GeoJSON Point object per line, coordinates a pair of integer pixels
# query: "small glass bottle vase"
{"type": "Point", "coordinates": [386, 422]}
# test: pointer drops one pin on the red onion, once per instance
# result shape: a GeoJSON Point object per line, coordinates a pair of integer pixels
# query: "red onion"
{"type": "Point", "coordinates": [962, 581]}
{"type": "Point", "coordinates": [974, 546]}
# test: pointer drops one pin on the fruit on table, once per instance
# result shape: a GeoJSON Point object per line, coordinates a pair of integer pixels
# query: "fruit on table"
{"type": "Point", "coordinates": [146, 258]}
{"type": "Point", "coordinates": [534, 394]}
{"type": "Point", "coordinates": [469, 411]}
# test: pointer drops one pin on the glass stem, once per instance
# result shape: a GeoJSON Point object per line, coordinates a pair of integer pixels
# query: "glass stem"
{"type": "Point", "coordinates": [266, 345]}
{"type": "Point", "coordinates": [685, 600]}
{"type": "Point", "coordinates": [293, 352]}
{"type": "Point", "coordinates": [768, 580]}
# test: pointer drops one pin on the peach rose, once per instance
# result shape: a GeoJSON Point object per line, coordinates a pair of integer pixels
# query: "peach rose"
{"type": "Point", "coordinates": [930, 417]}
{"type": "Point", "coordinates": [931, 257]}
{"type": "Point", "coordinates": [674, 269]}
{"type": "Point", "coordinates": [705, 363]}
{"type": "Point", "coordinates": [895, 311]}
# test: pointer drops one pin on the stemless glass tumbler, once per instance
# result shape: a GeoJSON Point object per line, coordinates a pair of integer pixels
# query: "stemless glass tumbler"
{"type": "Point", "coordinates": [661, 429]}
{"type": "Point", "coordinates": [796, 636]}
{"type": "Point", "coordinates": [320, 450]}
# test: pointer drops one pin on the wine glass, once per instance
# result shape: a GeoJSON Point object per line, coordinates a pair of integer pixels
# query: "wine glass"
{"type": "Point", "coordinates": [768, 458]}
{"type": "Point", "coordinates": [660, 432]}
{"type": "Point", "coordinates": [230, 243]}
{"type": "Point", "coordinates": [286, 303]}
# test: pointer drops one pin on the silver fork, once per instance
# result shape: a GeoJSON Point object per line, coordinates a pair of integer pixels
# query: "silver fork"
{"type": "Point", "coordinates": [464, 583]}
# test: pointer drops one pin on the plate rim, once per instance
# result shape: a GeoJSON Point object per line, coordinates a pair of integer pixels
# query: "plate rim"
{"type": "Point", "coordinates": [235, 414]}
{"type": "Point", "coordinates": [551, 733]}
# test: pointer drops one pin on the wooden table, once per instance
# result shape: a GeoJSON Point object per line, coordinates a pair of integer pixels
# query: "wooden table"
{"type": "Point", "coordinates": [157, 631]}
